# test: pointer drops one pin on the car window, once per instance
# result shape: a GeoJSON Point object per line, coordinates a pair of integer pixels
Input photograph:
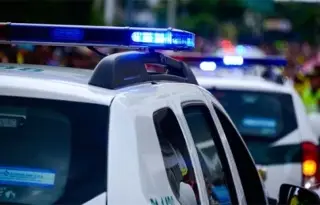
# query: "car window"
{"type": "Point", "coordinates": [249, 176]}
{"type": "Point", "coordinates": [177, 161]}
{"type": "Point", "coordinates": [247, 111]}
{"type": "Point", "coordinates": [204, 133]}
{"type": "Point", "coordinates": [262, 118]}
{"type": "Point", "coordinates": [49, 150]}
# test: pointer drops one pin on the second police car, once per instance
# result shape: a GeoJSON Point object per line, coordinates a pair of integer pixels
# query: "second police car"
{"type": "Point", "coordinates": [119, 135]}
{"type": "Point", "coordinates": [268, 113]}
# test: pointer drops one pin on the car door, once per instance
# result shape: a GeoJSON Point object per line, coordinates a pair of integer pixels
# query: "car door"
{"type": "Point", "coordinates": [136, 169]}
{"type": "Point", "coordinates": [149, 161]}
{"type": "Point", "coordinates": [210, 147]}
{"type": "Point", "coordinates": [245, 166]}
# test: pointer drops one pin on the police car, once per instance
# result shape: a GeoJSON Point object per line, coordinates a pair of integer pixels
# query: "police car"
{"type": "Point", "coordinates": [118, 135]}
{"type": "Point", "coordinates": [267, 112]}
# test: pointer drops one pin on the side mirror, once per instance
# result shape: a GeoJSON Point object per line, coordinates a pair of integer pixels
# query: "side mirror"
{"type": "Point", "coordinates": [295, 195]}
{"type": "Point", "coordinates": [315, 122]}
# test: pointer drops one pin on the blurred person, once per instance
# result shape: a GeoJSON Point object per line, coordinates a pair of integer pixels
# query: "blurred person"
{"type": "Point", "coordinates": [11, 53]}
{"type": "Point", "coordinates": [20, 56]}
{"type": "Point", "coordinates": [300, 83]}
{"type": "Point", "coordinates": [281, 47]}
{"type": "Point", "coordinates": [4, 53]}
{"type": "Point", "coordinates": [24, 51]}
{"type": "Point", "coordinates": [293, 53]}
{"type": "Point", "coordinates": [43, 54]}
{"type": "Point", "coordinates": [305, 53]}
{"type": "Point", "coordinates": [79, 58]}
{"type": "Point", "coordinates": [56, 58]}
{"type": "Point", "coordinates": [3, 58]}
{"type": "Point", "coordinates": [199, 44]}
{"type": "Point", "coordinates": [306, 50]}
{"type": "Point", "coordinates": [291, 69]}
{"type": "Point", "coordinates": [265, 48]}
{"type": "Point", "coordinates": [273, 50]}
{"type": "Point", "coordinates": [294, 48]}
{"type": "Point", "coordinates": [311, 90]}
{"type": "Point", "coordinates": [39, 55]}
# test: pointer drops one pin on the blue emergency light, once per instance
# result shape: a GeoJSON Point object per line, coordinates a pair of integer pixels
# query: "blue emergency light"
{"type": "Point", "coordinates": [233, 60]}
{"type": "Point", "coordinates": [103, 36]}
{"type": "Point", "coordinates": [210, 63]}
{"type": "Point", "coordinates": [271, 65]}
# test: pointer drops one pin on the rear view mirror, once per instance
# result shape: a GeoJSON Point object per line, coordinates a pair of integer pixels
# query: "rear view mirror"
{"type": "Point", "coordinates": [295, 195]}
{"type": "Point", "coordinates": [315, 122]}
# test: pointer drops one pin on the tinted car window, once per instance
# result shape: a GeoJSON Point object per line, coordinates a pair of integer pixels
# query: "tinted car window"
{"type": "Point", "coordinates": [245, 165]}
{"type": "Point", "coordinates": [262, 118]}
{"type": "Point", "coordinates": [220, 186]}
{"type": "Point", "coordinates": [176, 157]}
{"type": "Point", "coordinates": [259, 114]}
{"type": "Point", "coordinates": [49, 150]}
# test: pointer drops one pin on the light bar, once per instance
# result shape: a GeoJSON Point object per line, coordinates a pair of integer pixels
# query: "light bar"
{"type": "Point", "coordinates": [104, 36]}
{"type": "Point", "coordinates": [208, 66]}
{"type": "Point", "coordinates": [234, 61]}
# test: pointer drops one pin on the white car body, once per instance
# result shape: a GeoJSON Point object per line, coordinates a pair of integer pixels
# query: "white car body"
{"type": "Point", "coordinates": [279, 173]}
{"type": "Point", "coordinates": [135, 169]}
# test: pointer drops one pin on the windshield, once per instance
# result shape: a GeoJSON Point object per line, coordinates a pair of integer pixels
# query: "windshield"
{"type": "Point", "coordinates": [263, 115]}
{"type": "Point", "coordinates": [51, 152]}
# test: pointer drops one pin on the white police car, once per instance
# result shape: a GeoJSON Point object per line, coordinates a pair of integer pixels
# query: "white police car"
{"type": "Point", "coordinates": [268, 114]}
{"type": "Point", "coordinates": [118, 135]}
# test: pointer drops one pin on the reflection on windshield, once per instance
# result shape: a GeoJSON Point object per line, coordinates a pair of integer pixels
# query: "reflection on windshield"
{"type": "Point", "coordinates": [49, 150]}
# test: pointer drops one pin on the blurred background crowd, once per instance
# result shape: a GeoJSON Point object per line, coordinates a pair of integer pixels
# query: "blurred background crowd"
{"type": "Point", "coordinates": [279, 27]}
{"type": "Point", "coordinates": [298, 54]}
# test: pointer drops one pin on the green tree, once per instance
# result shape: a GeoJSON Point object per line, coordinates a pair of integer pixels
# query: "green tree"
{"type": "Point", "coordinates": [261, 6]}
{"type": "Point", "coordinates": [46, 11]}
{"type": "Point", "coordinates": [202, 16]}
{"type": "Point", "coordinates": [304, 18]}
{"type": "Point", "coordinates": [97, 15]}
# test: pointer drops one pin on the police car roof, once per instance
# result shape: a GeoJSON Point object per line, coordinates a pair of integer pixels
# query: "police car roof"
{"type": "Point", "coordinates": [251, 83]}
{"type": "Point", "coordinates": [114, 73]}
{"type": "Point", "coordinates": [62, 83]}
{"type": "Point", "coordinates": [52, 82]}
{"type": "Point", "coordinates": [76, 75]}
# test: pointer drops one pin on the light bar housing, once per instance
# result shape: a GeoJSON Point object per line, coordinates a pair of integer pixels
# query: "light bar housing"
{"type": "Point", "coordinates": [239, 61]}
{"type": "Point", "coordinates": [97, 36]}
